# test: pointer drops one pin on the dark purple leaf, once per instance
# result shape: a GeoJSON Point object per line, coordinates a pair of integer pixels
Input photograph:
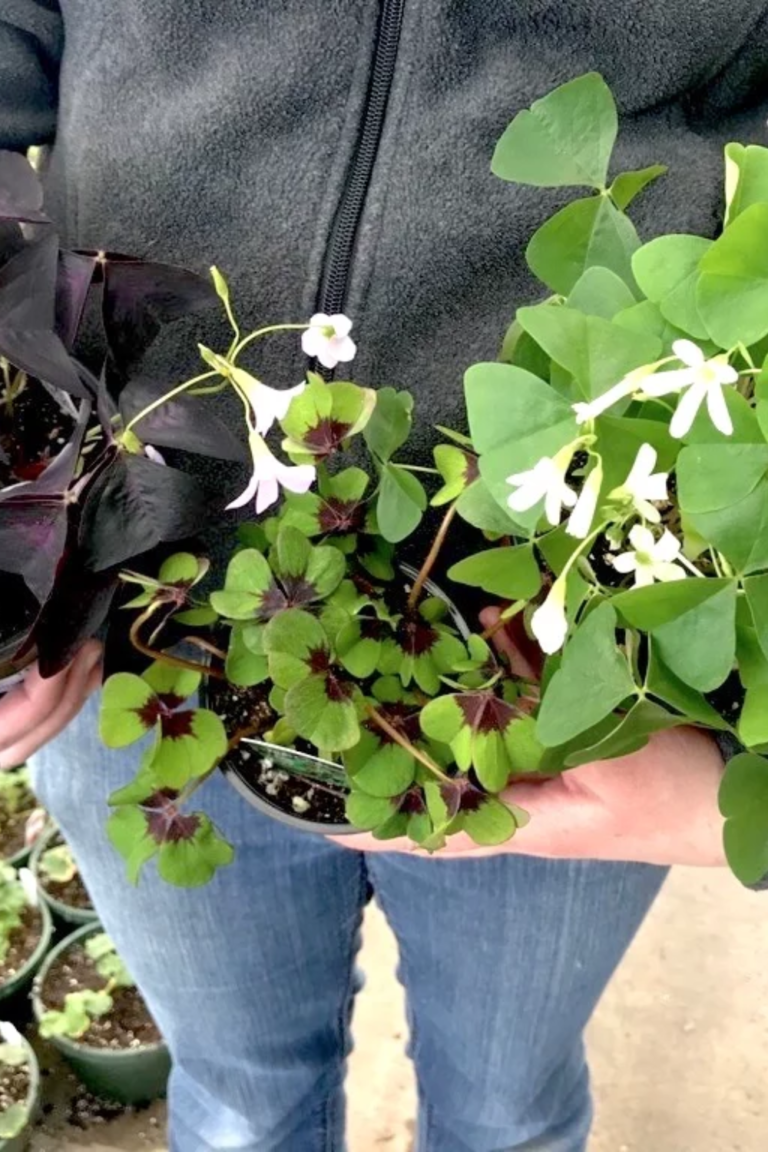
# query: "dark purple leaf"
{"type": "Point", "coordinates": [27, 339]}
{"type": "Point", "coordinates": [73, 282]}
{"type": "Point", "coordinates": [32, 539]}
{"type": "Point", "coordinates": [135, 504]}
{"type": "Point", "coordinates": [74, 612]}
{"type": "Point", "coordinates": [21, 193]}
{"type": "Point", "coordinates": [140, 297]}
{"type": "Point", "coordinates": [34, 517]}
{"type": "Point", "coordinates": [185, 423]}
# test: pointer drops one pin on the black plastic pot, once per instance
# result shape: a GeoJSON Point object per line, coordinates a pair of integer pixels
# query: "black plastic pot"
{"type": "Point", "coordinates": [20, 1142]}
{"type": "Point", "coordinates": [65, 914]}
{"type": "Point", "coordinates": [128, 1075]}
{"type": "Point", "coordinates": [267, 756]}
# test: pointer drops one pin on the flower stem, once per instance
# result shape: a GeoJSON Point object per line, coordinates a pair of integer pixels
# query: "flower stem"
{"type": "Point", "coordinates": [264, 332]}
{"type": "Point", "coordinates": [174, 392]}
{"type": "Point", "coordinates": [432, 556]}
{"type": "Point", "coordinates": [381, 722]}
{"type": "Point", "coordinates": [418, 468]}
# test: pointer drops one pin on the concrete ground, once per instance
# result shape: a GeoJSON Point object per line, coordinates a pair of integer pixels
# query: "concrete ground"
{"type": "Point", "coordinates": [679, 1044]}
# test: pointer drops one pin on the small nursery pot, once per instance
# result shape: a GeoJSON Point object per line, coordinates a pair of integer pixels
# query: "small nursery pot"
{"type": "Point", "coordinates": [20, 1142]}
{"type": "Point", "coordinates": [17, 987]}
{"type": "Point", "coordinates": [129, 1075]}
{"type": "Point", "coordinates": [66, 914]}
{"type": "Point", "coordinates": [245, 774]}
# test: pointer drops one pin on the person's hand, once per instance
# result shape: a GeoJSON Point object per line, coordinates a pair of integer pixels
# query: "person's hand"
{"type": "Point", "coordinates": [37, 710]}
{"type": "Point", "coordinates": [657, 806]}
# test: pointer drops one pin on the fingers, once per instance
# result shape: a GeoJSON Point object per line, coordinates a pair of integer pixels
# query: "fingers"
{"type": "Point", "coordinates": [39, 709]}
{"type": "Point", "coordinates": [510, 641]}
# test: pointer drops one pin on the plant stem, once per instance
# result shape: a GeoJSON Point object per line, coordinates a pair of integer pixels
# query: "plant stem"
{"type": "Point", "coordinates": [381, 722]}
{"type": "Point", "coordinates": [174, 392]}
{"type": "Point", "coordinates": [166, 657]}
{"type": "Point", "coordinates": [418, 468]}
{"type": "Point", "coordinates": [264, 332]}
{"type": "Point", "coordinates": [206, 646]}
{"type": "Point", "coordinates": [432, 556]}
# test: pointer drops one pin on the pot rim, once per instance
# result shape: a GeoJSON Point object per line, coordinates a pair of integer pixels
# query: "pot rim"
{"type": "Point", "coordinates": [56, 905]}
{"type": "Point", "coordinates": [292, 820]}
{"type": "Point", "coordinates": [66, 1043]}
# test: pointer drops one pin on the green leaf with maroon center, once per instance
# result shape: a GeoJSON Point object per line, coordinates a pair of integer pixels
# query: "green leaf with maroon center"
{"type": "Point", "coordinates": [336, 509]}
{"type": "Point", "coordinates": [323, 417]}
{"type": "Point", "coordinates": [297, 574]}
{"type": "Point", "coordinates": [458, 469]}
{"type": "Point", "coordinates": [422, 649]}
{"type": "Point", "coordinates": [188, 742]}
{"type": "Point", "coordinates": [378, 765]}
{"type": "Point", "coordinates": [188, 847]}
{"type": "Point", "coordinates": [320, 700]}
{"type": "Point", "coordinates": [485, 733]}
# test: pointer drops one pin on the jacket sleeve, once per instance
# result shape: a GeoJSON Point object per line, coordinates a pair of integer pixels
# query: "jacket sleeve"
{"type": "Point", "coordinates": [31, 42]}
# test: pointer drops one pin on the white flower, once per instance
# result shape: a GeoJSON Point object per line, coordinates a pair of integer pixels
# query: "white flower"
{"type": "Point", "coordinates": [9, 1033]}
{"type": "Point", "coordinates": [267, 404]}
{"type": "Point", "coordinates": [704, 380]}
{"type": "Point", "coordinates": [643, 485]}
{"type": "Point", "coordinates": [328, 339]}
{"type": "Point", "coordinates": [269, 475]}
{"type": "Point", "coordinates": [627, 386]}
{"type": "Point", "coordinates": [580, 520]}
{"type": "Point", "coordinates": [548, 623]}
{"type": "Point", "coordinates": [651, 559]}
{"type": "Point", "coordinates": [29, 884]}
{"type": "Point", "coordinates": [545, 481]}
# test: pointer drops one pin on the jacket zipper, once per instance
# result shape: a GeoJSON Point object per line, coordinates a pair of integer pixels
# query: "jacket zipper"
{"type": "Point", "coordinates": [341, 242]}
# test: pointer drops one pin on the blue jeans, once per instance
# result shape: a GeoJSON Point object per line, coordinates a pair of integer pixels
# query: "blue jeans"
{"type": "Point", "coordinates": [252, 979]}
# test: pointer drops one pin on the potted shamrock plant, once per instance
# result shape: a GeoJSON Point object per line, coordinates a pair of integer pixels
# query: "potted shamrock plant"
{"type": "Point", "coordinates": [616, 463]}
{"type": "Point", "coordinates": [88, 1006]}
{"type": "Point", "coordinates": [19, 1089]}
{"type": "Point", "coordinates": [58, 878]}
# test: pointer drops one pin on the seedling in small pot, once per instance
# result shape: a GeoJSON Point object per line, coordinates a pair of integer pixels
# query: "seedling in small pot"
{"type": "Point", "coordinates": [84, 1006]}
{"type": "Point", "coordinates": [18, 1082]}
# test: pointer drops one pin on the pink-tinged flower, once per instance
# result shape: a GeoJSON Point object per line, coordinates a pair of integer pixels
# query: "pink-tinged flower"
{"type": "Point", "coordinates": [267, 404]}
{"type": "Point", "coordinates": [270, 475]}
{"type": "Point", "coordinates": [328, 339]}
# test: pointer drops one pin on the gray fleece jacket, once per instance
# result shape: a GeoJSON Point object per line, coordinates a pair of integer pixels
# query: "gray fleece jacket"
{"type": "Point", "coordinates": [335, 155]}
